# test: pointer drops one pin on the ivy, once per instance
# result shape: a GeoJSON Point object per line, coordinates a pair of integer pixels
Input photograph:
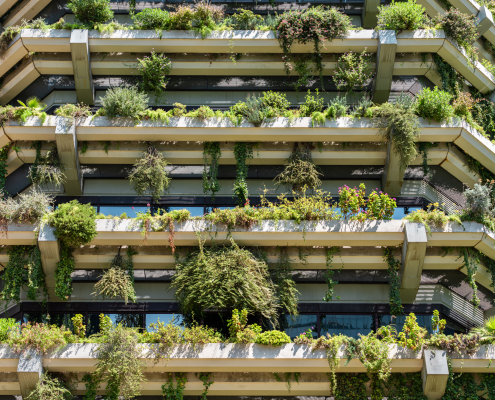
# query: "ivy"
{"type": "Point", "coordinates": [65, 267]}
{"type": "Point", "coordinates": [451, 79]}
{"type": "Point", "coordinates": [211, 155]}
{"type": "Point", "coordinates": [285, 287]}
{"type": "Point", "coordinates": [177, 393]}
{"type": "Point", "coordinates": [242, 151]}
{"type": "Point", "coordinates": [331, 251]}
{"type": "Point", "coordinates": [91, 384]}
{"type": "Point", "coordinates": [423, 148]}
{"type": "Point", "coordinates": [394, 280]}
{"type": "Point", "coordinates": [3, 168]}
{"type": "Point", "coordinates": [471, 260]}
{"type": "Point", "coordinates": [36, 276]}
{"type": "Point", "coordinates": [288, 376]}
{"type": "Point", "coordinates": [46, 169]}
{"type": "Point", "coordinates": [206, 378]}
{"type": "Point", "coordinates": [351, 386]}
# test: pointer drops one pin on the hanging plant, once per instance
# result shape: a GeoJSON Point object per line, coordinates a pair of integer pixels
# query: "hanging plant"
{"type": "Point", "coordinates": [149, 174]}
{"type": "Point", "coordinates": [285, 287]}
{"type": "Point", "coordinates": [4, 153]}
{"type": "Point", "coordinates": [206, 378]}
{"type": "Point", "coordinates": [211, 155]}
{"type": "Point", "coordinates": [331, 251]}
{"type": "Point", "coordinates": [154, 70]}
{"type": "Point", "coordinates": [236, 279]}
{"type": "Point", "coordinates": [314, 25]}
{"type": "Point", "coordinates": [21, 257]}
{"type": "Point", "coordinates": [471, 260]}
{"type": "Point", "coordinates": [242, 151]}
{"type": "Point", "coordinates": [177, 393]}
{"type": "Point", "coordinates": [75, 226]}
{"type": "Point", "coordinates": [423, 149]}
{"type": "Point", "coordinates": [301, 172]}
{"type": "Point", "coordinates": [46, 169]}
{"type": "Point", "coordinates": [353, 70]}
{"type": "Point", "coordinates": [394, 280]}
{"type": "Point", "coordinates": [50, 388]}
{"type": "Point", "coordinates": [118, 281]}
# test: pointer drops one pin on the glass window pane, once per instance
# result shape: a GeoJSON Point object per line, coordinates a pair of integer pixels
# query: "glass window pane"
{"type": "Point", "coordinates": [349, 325]}
{"type": "Point", "coordinates": [116, 211]}
{"type": "Point", "coordinates": [128, 320]}
{"type": "Point", "coordinates": [423, 321]}
{"type": "Point", "coordinates": [210, 209]}
{"type": "Point", "coordinates": [195, 211]}
{"type": "Point", "coordinates": [300, 324]}
{"type": "Point", "coordinates": [52, 319]}
{"type": "Point", "coordinates": [176, 319]}
{"type": "Point", "coordinates": [401, 212]}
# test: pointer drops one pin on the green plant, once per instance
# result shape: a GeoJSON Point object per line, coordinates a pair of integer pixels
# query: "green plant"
{"type": "Point", "coordinates": [399, 125]}
{"type": "Point", "coordinates": [149, 174]}
{"type": "Point", "coordinates": [115, 283]}
{"type": "Point", "coordinates": [330, 252]}
{"type": "Point", "coordinates": [316, 25]}
{"type": "Point", "coordinates": [78, 326]}
{"type": "Point", "coordinates": [4, 154]}
{"type": "Point", "coordinates": [434, 104]}
{"type": "Point", "coordinates": [300, 172]}
{"type": "Point", "coordinates": [91, 12]}
{"type": "Point", "coordinates": [152, 18]}
{"type": "Point", "coordinates": [243, 152]}
{"type": "Point", "coordinates": [311, 104]}
{"type": "Point", "coordinates": [124, 101]}
{"type": "Point", "coordinates": [39, 337]}
{"type": "Point", "coordinates": [91, 384]}
{"type": "Point", "coordinates": [273, 338]}
{"type": "Point", "coordinates": [401, 16]}
{"type": "Point", "coordinates": [245, 20]}
{"type": "Point", "coordinates": [32, 107]}
{"type": "Point", "coordinates": [353, 70]}
{"type": "Point", "coordinates": [394, 279]}
{"type": "Point", "coordinates": [46, 169]}
{"type": "Point", "coordinates": [373, 353]}
{"type": "Point", "coordinates": [168, 390]}
{"type": "Point", "coordinates": [75, 225]}
{"type": "Point", "coordinates": [6, 325]}
{"type": "Point", "coordinates": [119, 361]}
{"type": "Point", "coordinates": [154, 70]}
{"type": "Point", "coordinates": [412, 335]}
{"type": "Point", "coordinates": [202, 18]}
{"type": "Point", "coordinates": [276, 103]}
{"type": "Point", "coordinates": [285, 287]}
{"type": "Point", "coordinates": [206, 378]}
{"type": "Point", "coordinates": [432, 216]}
{"type": "Point", "coordinates": [437, 324]}
{"type": "Point", "coordinates": [236, 279]}
{"type": "Point", "coordinates": [239, 331]}
{"type": "Point", "coordinates": [337, 107]}
{"type": "Point", "coordinates": [211, 157]}
{"type": "Point", "coordinates": [50, 388]}
{"type": "Point", "coordinates": [487, 331]}
{"type": "Point", "coordinates": [76, 111]}
{"type": "Point", "coordinates": [423, 149]}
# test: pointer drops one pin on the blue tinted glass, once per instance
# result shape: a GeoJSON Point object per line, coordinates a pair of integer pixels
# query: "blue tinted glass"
{"type": "Point", "coordinates": [423, 321]}
{"type": "Point", "coordinates": [349, 325]}
{"type": "Point", "coordinates": [300, 324]}
{"type": "Point", "coordinates": [176, 319]}
{"type": "Point", "coordinates": [195, 211]}
{"type": "Point", "coordinates": [52, 319]}
{"type": "Point", "coordinates": [127, 320]}
{"type": "Point", "coordinates": [401, 212]}
{"type": "Point", "coordinates": [210, 209]}
{"type": "Point", "coordinates": [116, 211]}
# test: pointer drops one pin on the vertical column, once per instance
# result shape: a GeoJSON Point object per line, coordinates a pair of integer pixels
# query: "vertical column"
{"type": "Point", "coordinates": [29, 371]}
{"type": "Point", "coordinates": [370, 13]}
{"type": "Point", "coordinates": [50, 255]}
{"type": "Point", "coordinates": [81, 63]}
{"type": "Point", "coordinates": [385, 58]}
{"type": "Point", "coordinates": [484, 20]}
{"type": "Point", "coordinates": [413, 257]}
{"type": "Point", "coordinates": [66, 139]}
{"type": "Point", "coordinates": [435, 373]}
{"type": "Point", "coordinates": [393, 174]}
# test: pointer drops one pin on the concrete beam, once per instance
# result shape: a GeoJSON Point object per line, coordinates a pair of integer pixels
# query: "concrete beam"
{"type": "Point", "coordinates": [370, 13]}
{"type": "Point", "coordinates": [50, 253]}
{"type": "Point", "coordinates": [413, 257]}
{"type": "Point", "coordinates": [385, 58]}
{"type": "Point", "coordinates": [393, 173]}
{"type": "Point", "coordinates": [484, 20]}
{"type": "Point", "coordinates": [79, 48]}
{"type": "Point", "coordinates": [65, 137]}
{"type": "Point", "coordinates": [435, 373]}
{"type": "Point", "coordinates": [29, 371]}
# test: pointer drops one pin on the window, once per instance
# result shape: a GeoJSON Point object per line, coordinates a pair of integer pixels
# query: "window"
{"type": "Point", "coordinates": [423, 320]}
{"type": "Point", "coordinates": [401, 212]}
{"type": "Point", "coordinates": [195, 211]}
{"type": "Point", "coordinates": [128, 320]}
{"type": "Point", "coordinates": [52, 319]}
{"type": "Point", "coordinates": [116, 211]}
{"type": "Point", "coordinates": [300, 324]}
{"type": "Point", "coordinates": [176, 319]}
{"type": "Point", "coordinates": [349, 325]}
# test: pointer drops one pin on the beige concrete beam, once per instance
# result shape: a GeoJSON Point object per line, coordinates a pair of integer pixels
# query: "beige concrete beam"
{"type": "Point", "coordinates": [29, 371]}
{"type": "Point", "coordinates": [370, 13]}
{"type": "Point", "coordinates": [435, 373]}
{"type": "Point", "coordinates": [18, 80]}
{"type": "Point", "coordinates": [81, 61]}
{"type": "Point", "coordinates": [6, 5]}
{"type": "Point", "coordinates": [25, 11]}
{"type": "Point", "coordinates": [15, 53]}
{"type": "Point", "coordinates": [65, 137]}
{"type": "Point", "coordinates": [413, 256]}
{"type": "Point", "coordinates": [393, 174]}
{"type": "Point", "coordinates": [382, 83]}
{"type": "Point", "coordinates": [50, 253]}
{"type": "Point", "coordinates": [484, 20]}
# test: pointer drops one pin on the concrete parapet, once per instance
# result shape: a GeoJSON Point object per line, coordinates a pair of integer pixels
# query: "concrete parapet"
{"type": "Point", "coordinates": [435, 373]}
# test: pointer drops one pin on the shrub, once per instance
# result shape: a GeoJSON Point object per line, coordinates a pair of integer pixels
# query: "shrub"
{"type": "Point", "coordinates": [152, 18]}
{"type": "Point", "coordinates": [239, 331]}
{"type": "Point", "coordinates": [276, 103]}
{"type": "Point", "coordinates": [115, 283]}
{"type": "Point", "coordinates": [255, 110]}
{"type": "Point", "coordinates": [91, 12]}
{"type": "Point", "coordinates": [399, 16]}
{"type": "Point", "coordinates": [463, 105]}
{"type": "Point", "coordinates": [479, 201]}
{"type": "Point", "coordinates": [380, 206]}
{"type": "Point", "coordinates": [353, 70]}
{"type": "Point", "coordinates": [74, 111]}
{"type": "Point", "coordinates": [149, 174]}
{"type": "Point", "coordinates": [337, 107]}
{"type": "Point", "coordinates": [202, 18]}
{"type": "Point", "coordinates": [46, 169]}
{"type": "Point", "coordinates": [6, 325]}
{"type": "Point", "coordinates": [352, 203]}
{"type": "Point", "coordinates": [412, 336]}
{"type": "Point", "coordinates": [433, 216]}
{"type": "Point", "coordinates": [311, 104]}
{"type": "Point", "coordinates": [245, 20]}
{"type": "Point", "coordinates": [50, 388]}
{"type": "Point", "coordinates": [124, 101]}
{"type": "Point", "coordinates": [154, 70]}
{"type": "Point", "coordinates": [273, 338]}
{"type": "Point", "coordinates": [434, 104]}
{"type": "Point", "coordinates": [460, 27]}
{"type": "Point", "coordinates": [235, 279]}
{"type": "Point", "coordinates": [40, 337]}
{"type": "Point", "coordinates": [301, 172]}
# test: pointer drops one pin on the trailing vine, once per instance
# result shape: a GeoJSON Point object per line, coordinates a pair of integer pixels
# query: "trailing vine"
{"type": "Point", "coordinates": [65, 267]}
{"type": "Point", "coordinates": [177, 393]}
{"type": "Point", "coordinates": [288, 376]}
{"type": "Point", "coordinates": [330, 253]}
{"type": "Point", "coordinates": [242, 151]}
{"type": "Point", "coordinates": [91, 384]}
{"type": "Point", "coordinates": [471, 260]}
{"type": "Point", "coordinates": [451, 79]}
{"type": "Point", "coordinates": [285, 287]}
{"type": "Point", "coordinates": [3, 168]}
{"type": "Point", "coordinates": [206, 378]}
{"type": "Point", "coordinates": [393, 271]}
{"type": "Point", "coordinates": [211, 155]}
{"type": "Point", "coordinates": [423, 149]}
{"type": "Point", "coordinates": [36, 276]}
{"type": "Point", "coordinates": [46, 169]}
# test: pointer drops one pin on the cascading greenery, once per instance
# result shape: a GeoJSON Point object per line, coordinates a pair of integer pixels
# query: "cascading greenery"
{"type": "Point", "coordinates": [330, 253]}
{"type": "Point", "coordinates": [243, 152]}
{"type": "Point", "coordinates": [471, 261]}
{"type": "Point", "coordinates": [46, 169]}
{"type": "Point", "coordinates": [75, 226]}
{"type": "Point", "coordinates": [300, 173]}
{"type": "Point", "coordinates": [177, 393]}
{"type": "Point", "coordinates": [149, 174]}
{"type": "Point", "coordinates": [50, 388]}
{"type": "Point", "coordinates": [118, 281]}
{"type": "Point", "coordinates": [211, 155]}
{"type": "Point", "coordinates": [285, 287]}
{"type": "Point", "coordinates": [206, 378]}
{"type": "Point", "coordinates": [15, 274]}
{"type": "Point", "coordinates": [394, 280]}
{"type": "Point", "coordinates": [423, 149]}
{"type": "Point", "coordinates": [4, 153]}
